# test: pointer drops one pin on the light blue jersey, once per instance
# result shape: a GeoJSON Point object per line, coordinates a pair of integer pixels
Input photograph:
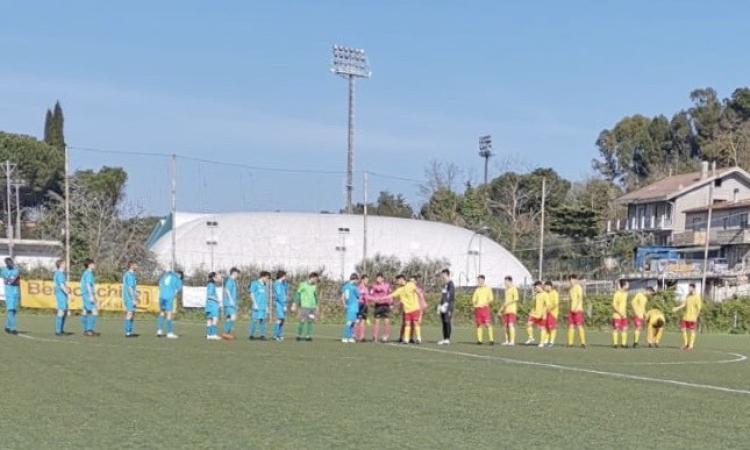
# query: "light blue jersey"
{"type": "Point", "coordinates": [260, 295]}
{"type": "Point", "coordinates": [12, 280]}
{"type": "Point", "coordinates": [61, 293]}
{"type": "Point", "coordinates": [230, 294]}
{"type": "Point", "coordinates": [212, 301]}
{"type": "Point", "coordinates": [281, 295]}
{"type": "Point", "coordinates": [129, 289]}
{"type": "Point", "coordinates": [88, 290]}
{"type": "Point", "coordinates": [351, 297]}
{"type": "Point", "coordinates": [169, 285]}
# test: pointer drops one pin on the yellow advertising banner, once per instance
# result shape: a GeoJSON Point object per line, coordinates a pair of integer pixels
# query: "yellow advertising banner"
{"type": "Point", "coordinates": [41, 294]}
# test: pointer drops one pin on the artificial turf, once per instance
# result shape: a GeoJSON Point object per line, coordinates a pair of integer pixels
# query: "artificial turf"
{"type": "Point", "coordinates": [112, 392]}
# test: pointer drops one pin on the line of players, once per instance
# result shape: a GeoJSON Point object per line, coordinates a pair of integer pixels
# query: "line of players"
{"type": "Point", "coordinates": [357, 295]}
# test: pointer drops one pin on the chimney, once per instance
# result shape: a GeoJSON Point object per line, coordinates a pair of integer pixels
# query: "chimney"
{"type": "Point", "coordinates": [704, 170]}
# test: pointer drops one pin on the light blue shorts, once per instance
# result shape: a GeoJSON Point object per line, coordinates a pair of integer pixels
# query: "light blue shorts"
{"type": "Point", "coordinates": [166, 304]}
{"type": "Point", "coordinates": [212, 310]}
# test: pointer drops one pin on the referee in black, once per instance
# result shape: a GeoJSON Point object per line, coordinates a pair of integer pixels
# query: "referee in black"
{"type": "Point", "coordinates": [447, 300]}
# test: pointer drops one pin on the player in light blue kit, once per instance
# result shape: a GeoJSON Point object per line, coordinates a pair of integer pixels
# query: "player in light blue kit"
{"type": "Point", "coordinates": [12, 280]}
{"type": "Point", "coordinates": [90, 310]}
{"type": "Point", "coordinates": [213, 307]}
{"type": "Point", "coordinates": [350, 299]}
{"type": "Point", "coordinates": [169, 285]}
{"type": "Point", "coordinates": [62, 294]}
{"type": "Point", "coordinates": [281, 297]}
{"type": "Point", "coordinates": [130, 297]}
{"type": "Point", "coordinates": [259, 297]}
{"type": "Point", "coordinates": [231, 300]}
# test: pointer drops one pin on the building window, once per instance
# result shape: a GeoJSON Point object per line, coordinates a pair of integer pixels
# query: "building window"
{"type": "Point", "coordinates": [743, 221]}
{"type": "Point", "coordinates": [725, 223]}
{"type": "Point", "coordinates": [717, 182]}
{"type": "Point", "coordinates": [696, 222]}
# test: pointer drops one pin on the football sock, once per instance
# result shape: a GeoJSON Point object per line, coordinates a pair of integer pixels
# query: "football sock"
{"type": "Point", "coordinates": [58, 324]}
{"type": "Point", "coordinates": [228, 326]}
{"type": "Point", "coordinates": [530, 332]}
{"type": "Point", "coordinates": [300, 326]}
{"type": "Point", "coordinates": [92, 322]}
{"type": "Point", "coordinates": [418, 331]}
{"type": "Point", "coordinates": [407, 333]}
{"type": "Point", "coordinates": [544, 336]}
{"type": "Point", "coordinates": [376, 329]}
{"type": "Point", "coordinates": [490, 333]}
{"type": "Point", "coordinates": [582, 335]}
{"type": "Point", "coordinates": [251, 327]}
{"type": "Point", "coordinates": [512, 334]}
{"type": "Point", "coordinates": [571, 335]}
{"type": "Point", "coordinates": [614, 338]}
{"type": "Point", "coordinates": [479, 334]}
{"type": "Point", "coordinates": [624, 338]}
{"type": "Point", "coordinates": [692, 339]}
{"type": "Point", "coordinates": [170, 326]}
{"type": "Point", "coordinates": [657, 338]}
{"type": "Point", "coordinates": [10, 320]}
{"type": "Point", "coordinates": [84, 322]}
{"type": "Point", "coordinates": [309, 328]}
{"type": "Point", "coordinates": [552, 336]}
{"type": "Point", "coordinates": [636, 336]}
{"type": "Point", "coordinates": [159, 322]}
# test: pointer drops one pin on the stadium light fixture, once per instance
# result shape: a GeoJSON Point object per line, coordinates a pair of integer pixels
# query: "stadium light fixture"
{"type": "Point", "coordinates": [485, 151]}
{"type": "Point", "coordinates": [350, 63]}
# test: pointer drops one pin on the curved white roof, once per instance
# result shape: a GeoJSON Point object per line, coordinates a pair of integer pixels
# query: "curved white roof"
{"type": "Point", "coordinates": [301, 242]}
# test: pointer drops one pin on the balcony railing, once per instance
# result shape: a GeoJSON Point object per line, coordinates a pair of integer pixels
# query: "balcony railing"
{"type": "Point", "coordinates": [642, 223]}
{"type": "Point", "coordinates": [718, 237]}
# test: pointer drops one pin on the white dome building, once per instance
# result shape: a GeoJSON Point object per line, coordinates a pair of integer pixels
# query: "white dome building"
{"type": "Point", "coordinates": [301, 242]}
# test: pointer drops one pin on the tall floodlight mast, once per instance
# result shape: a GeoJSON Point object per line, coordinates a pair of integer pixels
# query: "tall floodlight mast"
{"type": "Point", "coordinates": [350, 63]}
{"type": "Point", "coordinates": [485, 151]}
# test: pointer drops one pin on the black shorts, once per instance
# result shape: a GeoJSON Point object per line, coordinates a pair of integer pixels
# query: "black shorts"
{"type": "Point", "coordinates": [382, 311]}
{"type": "Point", "coordinates": [362, 313]}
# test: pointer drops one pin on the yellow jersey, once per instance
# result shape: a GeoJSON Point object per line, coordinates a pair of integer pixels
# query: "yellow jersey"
{"type": "Point", "coordinates": [553, 303]}
{"type": "Point", "coordinates": [620, 305]}
{"type": "Point", "coordinates": [576, 298]}
{"type": "Point", "coordinates": [653, 315]}
{"type": "Point", "coordinates": [539, 308]}
{"type": "Point", "coordinates": [510, 306]}
{"type": "Point", "coordinates": [482, 297]}
{"type": "Point", "coordinates": [639, 305]}
{"type": "Point", "coordinates": [407, 295]}
{"type": "Point", "coordinates": [693, 305]}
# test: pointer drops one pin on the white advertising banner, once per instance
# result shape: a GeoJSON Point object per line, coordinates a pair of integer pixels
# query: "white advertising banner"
{"type": "Point", "coordinates": [195, 296]}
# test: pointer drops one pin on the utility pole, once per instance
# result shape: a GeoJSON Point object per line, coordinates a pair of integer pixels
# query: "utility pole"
{"type": "Point", "coordinates": [9, 168]}
{"type": "Point", "coordinates": [67, 215]}
{"type": "Point", "coordinates": [708, 235]}
{"type": "Point", "coordinates": [17, 185]}
{"type": "Point", "coordinates": [485, 151]}
{"type": "Point", "coordinates": [173, 214]}
{"type": "Point", "coordinates": [364, 224]}
{"type": "Point", "coordinates": [541, 230]}
{"type": "Point", "coordinates": [350, 63]}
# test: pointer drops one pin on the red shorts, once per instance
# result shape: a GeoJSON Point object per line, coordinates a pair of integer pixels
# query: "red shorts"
{"type": "Point", "coordinates": [509, 319]}
{"type": "Point", "coordinates": [620, 324]}
{"type": "Point", "coordinates": [414, 316]}
{"type": "Point", "coordinates": [482, 315]}
{"type": "Point", "coordinates": [687, 325]}
{"type": "Point", "coordinates": [637, 322]}
{"type": "Point", "coordinates": [538, 321]}
{"type": "Point", "coordinates": [550, 322]}
{"type": "Point", "coordinates": [575, 318]}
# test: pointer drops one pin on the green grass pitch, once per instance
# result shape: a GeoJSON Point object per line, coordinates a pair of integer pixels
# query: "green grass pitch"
{"type": "Point", "coordinates": [112, 392]}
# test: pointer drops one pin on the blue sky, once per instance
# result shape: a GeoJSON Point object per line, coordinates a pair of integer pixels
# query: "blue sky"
{"type": "Point", "coordinates": [248, 82]}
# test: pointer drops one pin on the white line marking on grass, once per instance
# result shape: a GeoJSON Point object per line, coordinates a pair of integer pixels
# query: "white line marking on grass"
{"type": "Point", "coordinates": [737, 358]}
{"type": "Point", "coordinates": [581, 370]}
{"type": "Point", "coordinates": [34, 338]}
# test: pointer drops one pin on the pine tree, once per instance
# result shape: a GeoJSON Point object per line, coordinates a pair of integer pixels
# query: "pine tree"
{"type": "Point", "coordinates": [53, 128]}
{"type": "Point", "coordinates": [47, 126]}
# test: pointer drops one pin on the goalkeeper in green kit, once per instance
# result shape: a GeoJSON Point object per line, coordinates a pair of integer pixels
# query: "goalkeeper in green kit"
{"type": "Point", "coordinates": [306, 298]}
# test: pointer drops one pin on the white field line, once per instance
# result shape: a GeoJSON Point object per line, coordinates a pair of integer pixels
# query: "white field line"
{"type": "Point", "coordinates": [582, 370]}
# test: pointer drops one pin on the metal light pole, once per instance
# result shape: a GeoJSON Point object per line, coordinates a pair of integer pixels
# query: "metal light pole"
{"type": "Point", "coordinates": [485, 151]}
{"type": "Point", "coordinates": [364, 224]}
{"type": "Point", "coordinates": [9, 168]}
{"type": "Point", "coordinates": [173, 212]}
{"type": "Point", "coordinates": [212, 242]}
{"type": "Point", "coordinates": [67, 215]}
{"type": "Point", "coordinates": [541, 230]}
{"type": "Point", "coordinates": [477, 253]}
{"type": "Point", "coordinates": [350, 63]}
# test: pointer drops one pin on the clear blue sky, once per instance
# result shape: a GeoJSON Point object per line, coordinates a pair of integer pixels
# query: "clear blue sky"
{"type": "Point", "coordinates": [248, 82]}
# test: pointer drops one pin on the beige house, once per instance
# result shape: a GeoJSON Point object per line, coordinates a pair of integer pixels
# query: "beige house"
{"type": "Point", "coordinates": [660, 207]}
{"type": "Point", "coordinates": [729, 230]}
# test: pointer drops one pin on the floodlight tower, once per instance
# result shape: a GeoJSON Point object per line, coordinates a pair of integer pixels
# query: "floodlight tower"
{"type": "Point", "coordinates": [350, 63]}
{"type": "Point", "coordinates": [485, 151]}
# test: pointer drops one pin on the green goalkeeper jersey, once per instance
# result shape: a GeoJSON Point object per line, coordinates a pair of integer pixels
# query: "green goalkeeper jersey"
{"type": "Point", "coordinates": [307, 294]}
